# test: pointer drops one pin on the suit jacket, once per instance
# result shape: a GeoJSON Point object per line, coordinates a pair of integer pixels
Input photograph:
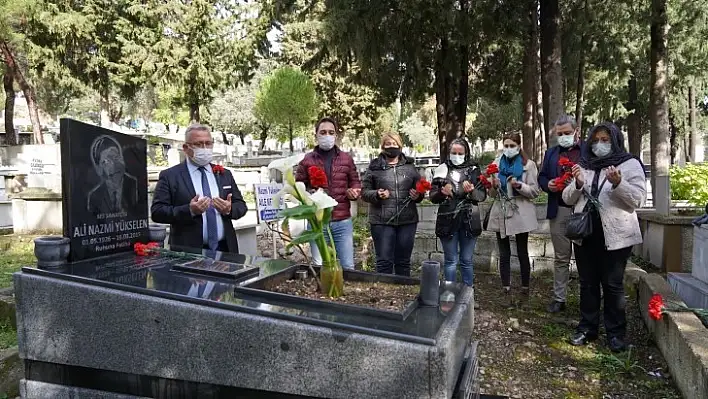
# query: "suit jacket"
{"type": "Point", "coordinates": [170, 205]}
{"type": "Point", "coordinates": [101, 200]}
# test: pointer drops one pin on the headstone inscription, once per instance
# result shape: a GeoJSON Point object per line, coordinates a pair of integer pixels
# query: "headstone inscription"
{"type": "Point", "coordinates": [104, 190]}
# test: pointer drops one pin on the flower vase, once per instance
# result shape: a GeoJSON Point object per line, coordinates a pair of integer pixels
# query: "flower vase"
{"type": "Point", "coordinates": [332, 279]}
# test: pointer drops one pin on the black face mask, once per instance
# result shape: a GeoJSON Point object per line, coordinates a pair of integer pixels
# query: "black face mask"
{"type": "Point", "coordinates": [392, 152]}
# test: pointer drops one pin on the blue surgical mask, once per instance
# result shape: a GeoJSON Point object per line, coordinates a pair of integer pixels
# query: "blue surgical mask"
{"type": "Point", "coordinates": [566, 141]}
{"type": "Point", "coordinates": [601, 149]}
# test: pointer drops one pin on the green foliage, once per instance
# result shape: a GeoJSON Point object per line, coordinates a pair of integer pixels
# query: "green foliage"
{"type": "Point", "coordinates": [157, 158]}
{"type": "Point", "coordinates": [419, 135]}
{"type": "Point", "coordinates": [690, 183]}
{"type": "Point", "coordinates": [286, 99]}
{"type": "Point", "coordinates": [494, 119]}
{"type": "Point", "coordinates": [355, 106]}
{"type": "Point", "coordinates": [485, 158]}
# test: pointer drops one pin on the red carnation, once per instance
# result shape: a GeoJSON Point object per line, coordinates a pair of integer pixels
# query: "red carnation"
{"type": "Point", "coordinates": [656, 306]}
{"type": "Point", "coordinates": [217, 169]}
{"type": "Point", "coordinates": [492, 169]}
{"type": "Point", "coordinates": [318, 177]}
{"type": "Point", "coordinates": [484, 181]}
{"type": "Point", "coordinates": [423, 186]}
{"type": "Point", "coordinates": [145, 249]}
{"type": "Point", "coordinates": [559, 182]}
{"type": "Point", "coordinates": [564, 162]}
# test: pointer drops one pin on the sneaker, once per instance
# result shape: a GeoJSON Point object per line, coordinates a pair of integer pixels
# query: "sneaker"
{"type": "Point", "coordinates": [617, 344]}
{"type": "Point", "coordinates": [582, 338]}
{"type": "Point", "coordinates": [525, 300]}
{"type": "Point", "coordinates": [556, 307]}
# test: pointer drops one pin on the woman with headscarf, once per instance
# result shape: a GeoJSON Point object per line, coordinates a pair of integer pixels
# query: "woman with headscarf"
{"type": "Point", "coordinates": [458, 223]}
{"type": "Point", "coordinates": [615, 179]}
{"type": "Point", "coordinates": [389, 188]}
{"type": "Point", "coordinates": [513, 212]}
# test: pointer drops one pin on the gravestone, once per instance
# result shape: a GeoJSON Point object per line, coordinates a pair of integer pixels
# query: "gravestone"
{"type": "Point", "coordinates": [104, 190]}
{"type": "Point", "coordinates": [693, 288]}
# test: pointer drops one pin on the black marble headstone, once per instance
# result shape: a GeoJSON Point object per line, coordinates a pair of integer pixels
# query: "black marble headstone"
{"type": "Point", "coordinates": [104, 190]}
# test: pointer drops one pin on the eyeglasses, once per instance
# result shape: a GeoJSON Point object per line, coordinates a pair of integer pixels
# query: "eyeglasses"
{"type": "Point", "coordinates": [202, 144]}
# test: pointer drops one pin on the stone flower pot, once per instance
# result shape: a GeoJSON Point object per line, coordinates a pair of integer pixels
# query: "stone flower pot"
{"type": "Point", "coordinates": [158, 233]}
{"type": "Point", "coordinates": [51, 251]}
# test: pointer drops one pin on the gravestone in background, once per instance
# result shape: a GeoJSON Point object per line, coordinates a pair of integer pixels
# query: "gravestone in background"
{"type": "Point", "coordinates": [104, 190]}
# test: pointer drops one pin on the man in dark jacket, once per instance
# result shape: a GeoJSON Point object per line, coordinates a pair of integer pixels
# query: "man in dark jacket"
{"type": "Point", "coordinates": [198, 199]}
{"type": "Point", "coordinates": [343, 184]}
{"type": "Point", "coordinates": [569, 147]}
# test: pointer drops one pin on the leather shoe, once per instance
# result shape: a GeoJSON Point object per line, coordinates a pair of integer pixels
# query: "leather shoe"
{"type": "Point", "coordinates": [556, 307]}
{"type": "Point", "coordinates": [617, 345]}
{"type": "Point", "coordinates": [581, 338]}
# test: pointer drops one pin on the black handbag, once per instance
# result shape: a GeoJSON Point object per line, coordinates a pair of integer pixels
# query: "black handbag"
{"type": "Point", "coordinates": [485, 223]}
{"type": "Point", "coordinates": [579, 225]}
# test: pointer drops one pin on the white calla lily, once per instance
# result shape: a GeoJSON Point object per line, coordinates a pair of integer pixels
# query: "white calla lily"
{"type": "Point", "coordinates": [302, 191]}
{"type": "Point", "coordinates": [282, 193]}
{"type": "Point", "coordinates": [322, 200]}
{"type": "Point", "coordinates": [284, 164]}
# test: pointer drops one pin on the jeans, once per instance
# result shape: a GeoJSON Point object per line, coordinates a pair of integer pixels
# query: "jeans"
{"type": "Point", "coordinates": [343, 236]}
{"type": "Point", "coordinates": [394, 247]}
{"type": "Point", "coordinates": [563, 249]}
{"type": "Point", "coordinates": [522, 251]}
{"type": "Point", "coordinates": [599, 267]}
{"type": "Point", "coordinates": [463, 244]}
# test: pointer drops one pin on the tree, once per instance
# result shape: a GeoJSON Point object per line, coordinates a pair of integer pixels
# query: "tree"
{"type": "Point", "coordinates": [659, 112]}
{"type": "Point", "coordinates": [551, 66]}
{"type": "Point", "coordinates": [337, 81]}
{"type": "Point", "coordinates": [420, 136]}
{"type": "Point", "coordinates": [232, 111]}
{"type": "Point", "coordinates": [379, 37]}
{"type": "Point", "coordinates": [494, 119]}
{"type": "Point", "coordinates": [9, 89]}
{"type": "Point", "coordinates": [287, 99]}
{"type": "Point", "coordinates": [212, 46]}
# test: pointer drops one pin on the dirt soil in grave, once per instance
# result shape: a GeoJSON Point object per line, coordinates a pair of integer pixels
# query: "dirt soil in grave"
{"type": "Point", "coordinates": [525, 353]}
{"type": "Point", "coordinates": [391, 297]}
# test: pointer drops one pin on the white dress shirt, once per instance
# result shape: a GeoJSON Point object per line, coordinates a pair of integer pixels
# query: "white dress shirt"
{"type": "Point", "coordinates": [196, 176]}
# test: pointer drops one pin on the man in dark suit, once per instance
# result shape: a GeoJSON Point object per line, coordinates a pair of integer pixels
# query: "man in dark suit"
{"type": "Point", "coordinates": [198, 199]}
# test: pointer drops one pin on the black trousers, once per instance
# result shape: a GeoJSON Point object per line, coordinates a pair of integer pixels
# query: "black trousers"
{"type": "Point", "coordinates": [522, 251]}
{"type": "Point", "coordinates": [599, 267]}
{"type": "Point", "coordinates": [394, 247]}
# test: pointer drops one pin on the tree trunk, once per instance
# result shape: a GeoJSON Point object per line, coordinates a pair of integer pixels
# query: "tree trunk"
{"type": "Point", "coordinates": [242, 136]}
{"type": "Point", "coordinates": [446, 87]}
{"type": "Point", "coordinates": [692, 129]}
{"type": "Point", "coordinates": [7, 83]}
{"type": "Point", "coordinates": [529, 81]}
{"type": "Point", "coordinates": [580, 88]}
{"type": "Point", "coordinates": [264, 136]}
{"type": "Point", "coordinates": [634, 132]}
{"type": "Point", "coordinates": [26, 88]}
{"type": "Point", "coordinates": [194, 115]}
{"type": "Point", "coordinates": [659, 107]}
{"type": "Point", "coordinates": [673, 139]}
{"type": "Point", "coordinates": [539, 120]}
{"type": "Point", "coordinates": [551, 68]}
{"type": "Point", "coordinates": [290, 136]}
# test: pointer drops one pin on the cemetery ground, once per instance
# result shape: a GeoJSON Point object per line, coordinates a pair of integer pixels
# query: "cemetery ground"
{"type": "Point", "coordinates": [523, 353]}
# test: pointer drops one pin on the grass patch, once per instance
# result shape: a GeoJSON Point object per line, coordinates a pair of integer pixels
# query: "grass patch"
{"type": "Point", "coordinates": [8, 335]}
{"type": "Point", "coordinates": [17, 251]}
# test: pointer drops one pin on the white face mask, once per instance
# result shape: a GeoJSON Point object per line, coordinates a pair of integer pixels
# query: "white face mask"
{"type": "Point", "coordinates": [457, 159]}
{"type": "Point", "coordinates": [601, 149]}
{"type": "Point", "coordinates": [566, 141]}
{"type": "Point", "coordinates": [202, 156]}
{"type": "Point", "coordinates": [511, 152]}
{"type": "Point", "coordinates": [325, 141]}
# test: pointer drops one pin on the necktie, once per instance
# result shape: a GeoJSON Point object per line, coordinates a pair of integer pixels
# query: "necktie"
{"type": "Point", "coordinates": [212, 235]}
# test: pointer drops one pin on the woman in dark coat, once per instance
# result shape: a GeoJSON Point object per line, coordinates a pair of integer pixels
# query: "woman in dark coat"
{"type": "Point", "coordinates": [388, 184]}
{"type": "Point", "coordinates": [458, 224]}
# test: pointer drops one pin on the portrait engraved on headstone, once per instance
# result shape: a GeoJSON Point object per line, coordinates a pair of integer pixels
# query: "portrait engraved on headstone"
{"type": "Point", "coordinates": [117, 189]}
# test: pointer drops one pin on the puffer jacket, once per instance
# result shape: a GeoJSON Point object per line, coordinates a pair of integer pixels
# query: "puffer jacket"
{"type": "Point", "coordinates": [460, 210]}
{"type": "Point", "coordinates": [398, 180]}
{"type": "Point", "coordinates": [344, 176]}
